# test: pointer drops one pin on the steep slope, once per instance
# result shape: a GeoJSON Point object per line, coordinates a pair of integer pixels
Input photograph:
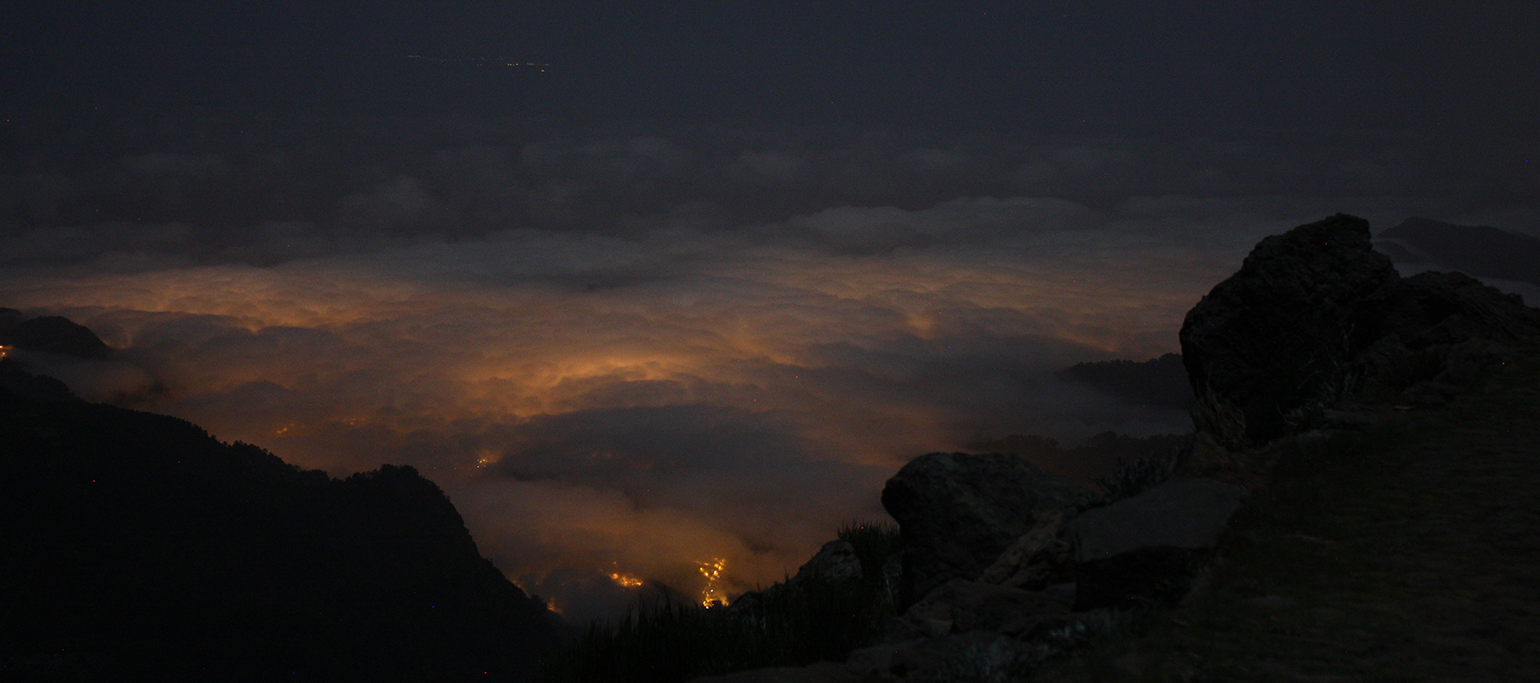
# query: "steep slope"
{"type": "Point", "coordinates": [136, 545]}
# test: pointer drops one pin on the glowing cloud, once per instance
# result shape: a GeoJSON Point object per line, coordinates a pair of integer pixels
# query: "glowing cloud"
{"type": "Point", "coordinates": [592, 400]}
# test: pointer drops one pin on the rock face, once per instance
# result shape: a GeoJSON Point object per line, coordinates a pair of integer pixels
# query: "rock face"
{"type": "Point", "coordinates": [1315, 315]}
{"type": "Point", "coordinates": [1269, 338]}
{"type": "Point", "coordinates": [960, 606]}
{"type": "Point", "coordinates": [1039, 557]}
{"type": "Point", "coordinates": [958, 512]}
{"type": "Point", "coordinates": [835, 561]}
{"type": "Point", "coordinates": [1146, 548]}
{"type": "Point", "coordinates": [1005, 567]}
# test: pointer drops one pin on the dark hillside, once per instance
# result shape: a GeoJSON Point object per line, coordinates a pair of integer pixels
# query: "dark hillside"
{"type": "Point", "coordinates": [137, 546]}
{"type": "Point", "coordinates": [1156, 383]}
{"type": "Point", "coordinates": [1473, 249]}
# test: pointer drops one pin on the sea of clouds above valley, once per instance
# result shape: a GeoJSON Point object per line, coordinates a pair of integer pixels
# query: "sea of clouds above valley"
{"type": "Point", "coordinates": [633, 356]}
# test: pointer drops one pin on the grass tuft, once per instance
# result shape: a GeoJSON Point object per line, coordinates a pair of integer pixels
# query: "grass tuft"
{"type": "Point", "coordinates": [1218, 417]}
{"type": "Point", "coordinates": [1133, 477]}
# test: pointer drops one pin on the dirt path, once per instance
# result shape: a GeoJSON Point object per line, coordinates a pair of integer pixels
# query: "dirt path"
{"type": "Point", "coordinates": [1399, 553]}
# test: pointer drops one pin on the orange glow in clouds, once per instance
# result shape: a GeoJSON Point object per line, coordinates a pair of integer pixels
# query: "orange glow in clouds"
{"type": "Point", "coordinates": [811, 377]}
{"type": "Point", "coordinates": [710, 595]}
{"type": "Point", "coordinates": [626, 580]}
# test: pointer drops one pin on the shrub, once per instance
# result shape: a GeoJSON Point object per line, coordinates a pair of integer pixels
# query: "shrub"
{"type": "Point", "coordinates": [1133, 477]}
{"type": "Point", "coordinates": [1221, 419]}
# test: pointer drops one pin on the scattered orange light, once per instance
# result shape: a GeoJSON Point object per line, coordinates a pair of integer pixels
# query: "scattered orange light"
{"type": "Point", "coordinates": [626, 580]}
{"type": "Point", "coordinates": [710, 596]}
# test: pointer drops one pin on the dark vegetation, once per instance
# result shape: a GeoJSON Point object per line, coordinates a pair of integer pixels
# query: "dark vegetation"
{"type": "Point", "coordinates": [793, 623]}
{"type": "Point", "coordinates": [808, 619]}
{"type": "Point", "coordinates": [136, 546]}
{"type": "Point", "coordinates": [1137, 475]}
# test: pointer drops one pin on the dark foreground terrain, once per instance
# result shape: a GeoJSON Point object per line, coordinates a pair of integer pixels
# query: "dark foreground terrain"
{"type": "Point", "coordinates": [137, 547]}
{"type": "Point", "coordinates": [1408, 551]}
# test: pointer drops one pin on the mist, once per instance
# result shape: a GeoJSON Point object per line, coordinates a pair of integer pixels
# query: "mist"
{"type": "Point", "coordinates": [694, 288]}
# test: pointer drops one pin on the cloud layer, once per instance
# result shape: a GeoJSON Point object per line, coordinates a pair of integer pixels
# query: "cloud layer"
{"type": "Point", "coordinates": [630, 354]}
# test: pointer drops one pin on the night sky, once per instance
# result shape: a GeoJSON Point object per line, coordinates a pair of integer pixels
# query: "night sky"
{"type": "Point", "coordinates": [643, 285]}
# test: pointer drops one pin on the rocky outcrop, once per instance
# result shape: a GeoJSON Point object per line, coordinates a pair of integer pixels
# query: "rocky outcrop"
{"type": "Point", "coordinates": [958, 512]}
{"type": "Point", "coordinates": [1148, 548]}
{"type": "Point", "coordinates": [1040, 557]}
{"type": "Point", "coordinates": [835, 561]}
{"type": "Point", "coordinates": [960, 606]}
{"type": "Point", "coordinates": [1439, 327]}
{"type": "Point", "coordinates": [1315, 316]}
{"type": "Point", "coordinates": [1006, 566]}
{"type": "Point", "coordinates": [1272, 337]}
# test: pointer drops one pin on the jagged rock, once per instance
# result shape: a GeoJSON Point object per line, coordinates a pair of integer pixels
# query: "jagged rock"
{"type": "Point", "coordinates": [1316, 315]}
{"type": "Point", "coordinates": [1204, 457]}
{"type": "Point", "coordinates": [1437, 326]}
{"type": "Point", "coordinates": [1148, 547]}
{"type": "Point", "coordinates": [835, 561]}
{"type": "Point", "coordinates": [1268, 338]}
{"type": "Point", "coordinates": [1041, 556]}
{"type": "Point", "coordinates": [973, 656]}
{"type": "Point", "coordinates": [957, 512]}
{"type": "Point", "coordinates": [959, 606]}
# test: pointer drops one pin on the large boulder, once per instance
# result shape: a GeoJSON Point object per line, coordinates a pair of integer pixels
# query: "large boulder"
{"type": "Point", "coordinates": [1269, 338]}
{"type": "Point", "coordinates": [836, 561]}
{"type": "Point", "coordinates": [1148, 548]}
{"type": "Point", "coordinates": [959, 606]}
{"type": "Point", "coordinates": [958, 512]}
{"type": "Point", "coordinates": [1315, 316]}
{"type": "Point", "coordinates": [1040, 557]}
